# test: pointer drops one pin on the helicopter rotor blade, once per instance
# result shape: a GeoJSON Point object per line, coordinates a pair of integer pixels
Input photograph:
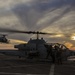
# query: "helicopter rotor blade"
{"type": "Point", "coordinates": [13, 31]}
{"type": "Point", "coordinates": [32, 32]}
{"type": "Point", "coordinates": [28, 32]}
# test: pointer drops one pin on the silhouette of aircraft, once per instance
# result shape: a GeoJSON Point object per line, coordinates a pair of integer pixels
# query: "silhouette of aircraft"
{"type": "Point", "coordinates": [35, 47]}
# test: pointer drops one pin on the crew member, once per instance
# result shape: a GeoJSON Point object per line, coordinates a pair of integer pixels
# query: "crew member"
{"type": "Point", "coordinates": [49, 51]}
{"type": "Point", "coordinates": [59, 55]}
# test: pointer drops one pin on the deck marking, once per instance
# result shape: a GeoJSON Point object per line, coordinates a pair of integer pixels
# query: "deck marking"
{"type": "Point", "coordinates": [52, 69]}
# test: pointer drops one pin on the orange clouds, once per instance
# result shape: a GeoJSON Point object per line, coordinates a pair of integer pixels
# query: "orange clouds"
{"type": "Point", "coordinates": [6, 46]}
{"type": "Point", "coordinates": [16, 41]}
{"type": "Point", "coordinates": [11, 44]}
{"type": "Point", "coordinates": [70, 45]}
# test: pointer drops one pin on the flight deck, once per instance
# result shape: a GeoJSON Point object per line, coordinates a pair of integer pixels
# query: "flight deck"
{"type": "Point", "coordinates": [11, 65]}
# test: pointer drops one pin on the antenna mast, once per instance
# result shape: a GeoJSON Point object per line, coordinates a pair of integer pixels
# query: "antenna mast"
{"type": "Point", "coordinates": [37, 35]}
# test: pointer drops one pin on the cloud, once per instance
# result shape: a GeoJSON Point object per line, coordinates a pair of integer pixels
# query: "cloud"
{"type": "Point", "coordinates": [38, 15]}
{"type": "Point", "coordinates": [69, 45]}
{"type": "Point", "coordinates": [38, 10]}
{"type": "Point", "coordinates": [10, 3]}
{"type": "Point", "coordinates": [15, 41]}
{"type": "Point", "coordinates": [11, 44]}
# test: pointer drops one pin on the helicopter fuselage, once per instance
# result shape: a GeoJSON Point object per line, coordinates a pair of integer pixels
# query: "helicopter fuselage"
{"type": "Point", "coordinates": [35, 46]}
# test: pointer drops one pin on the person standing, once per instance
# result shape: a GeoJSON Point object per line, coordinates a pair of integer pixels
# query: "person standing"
{"type": "Point", "coordinates": [59, 55]}
{"type": "Point", "coordinates": [49, 51]}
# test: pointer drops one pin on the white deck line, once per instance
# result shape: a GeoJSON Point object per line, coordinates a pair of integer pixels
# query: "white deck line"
{"type": "Point", "coordinates": [52, 69]}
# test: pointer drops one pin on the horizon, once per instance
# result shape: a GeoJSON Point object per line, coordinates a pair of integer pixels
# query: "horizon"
{"type": "Point", "coordinates": [13, 42]}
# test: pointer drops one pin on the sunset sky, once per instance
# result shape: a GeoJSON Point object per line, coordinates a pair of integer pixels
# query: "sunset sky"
{"type": "Point", "coordinates": [52, 16]}
{"type": "Point", "coordinates": [11, 44]}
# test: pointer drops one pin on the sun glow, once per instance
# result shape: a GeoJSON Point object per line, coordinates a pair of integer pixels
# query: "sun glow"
{"type": "Point", "coordinates": [73, 38]}
{"type": "Point", "coordinates": [58, 35]}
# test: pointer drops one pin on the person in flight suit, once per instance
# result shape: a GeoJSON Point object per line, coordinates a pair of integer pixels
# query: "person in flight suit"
{"type": "Point", "coordinates": [59, 55]}
{"type": "Point", "coordinates": [49, 50]}
{"type": "Point", "coordinates": [50, 53]}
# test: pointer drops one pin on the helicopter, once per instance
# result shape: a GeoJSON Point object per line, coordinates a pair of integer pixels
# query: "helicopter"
{"type": "Point", "coordinates": [38, 47]}
{"type": "Point", "coordinates": [3, 38]}
{"type": "Point", "coordinates": [35, 48]}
